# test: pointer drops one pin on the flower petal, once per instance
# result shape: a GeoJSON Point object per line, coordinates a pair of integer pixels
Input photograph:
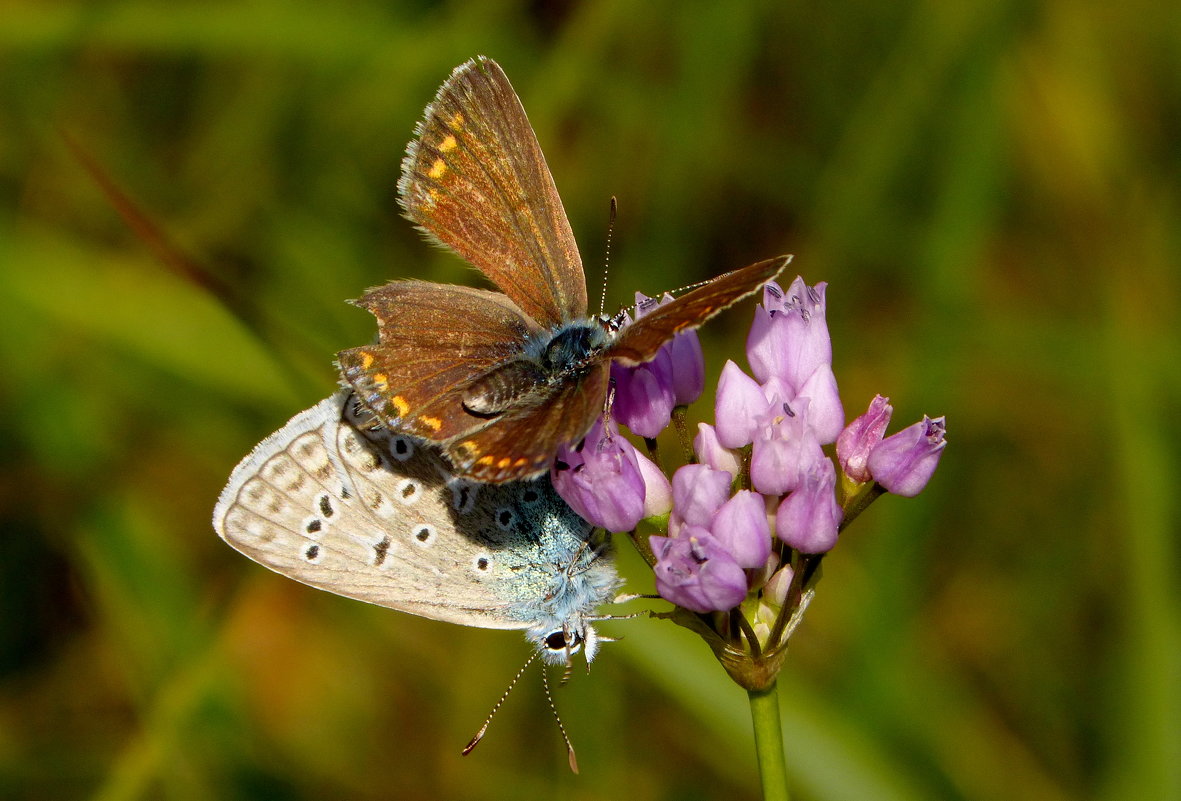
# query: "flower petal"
{"type": "Point", "coordinates": [741, 527]}
{"type": "Point", "coordinates": [809, 517]}
{"type": "Point", "coordinates": [739, 404]}
{"type": "Point", "coordinates": [709, 451]}
{"type": "Point", "coordinates": [695, 572]}
{"type": "Point", "coordinates": [903, 463]}
{"type": "Point", "coordinates": [860, 436]}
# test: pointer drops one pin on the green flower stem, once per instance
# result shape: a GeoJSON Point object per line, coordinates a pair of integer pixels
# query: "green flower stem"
{"type": "Point", "coordinates": [764, 713]}
{"type": "Point", "coordinates": [683, 434]}
{"type": "Point", "coordinates": [857, 499]}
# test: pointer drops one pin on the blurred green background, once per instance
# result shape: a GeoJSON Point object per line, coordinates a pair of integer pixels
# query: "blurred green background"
{"type": "Point", "coordinates": [991, 189]}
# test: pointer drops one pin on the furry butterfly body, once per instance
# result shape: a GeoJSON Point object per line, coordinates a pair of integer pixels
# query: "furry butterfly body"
{"type": "Point", "coordinates": [500, 379]}
{"type": "Point", "coordinates": [337, 501]}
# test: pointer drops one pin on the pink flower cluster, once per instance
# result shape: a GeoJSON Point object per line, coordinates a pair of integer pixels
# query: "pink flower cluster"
{"type": "Point", "coordinates": [720, 537]}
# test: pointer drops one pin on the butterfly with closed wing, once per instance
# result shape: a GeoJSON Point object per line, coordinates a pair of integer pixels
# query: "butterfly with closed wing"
{"type": "Point", "coordinates": [337, 501]}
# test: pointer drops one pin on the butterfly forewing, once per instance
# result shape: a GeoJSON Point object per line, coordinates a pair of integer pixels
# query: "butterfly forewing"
{"type": "Point", "coordinates": [641, 340]}
{"type": "Point", "coordinates": [499, 381]}
{"type": "Point", "coordinates": [476, 180]}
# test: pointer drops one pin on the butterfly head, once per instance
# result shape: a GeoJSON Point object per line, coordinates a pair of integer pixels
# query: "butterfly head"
{"type": "Point", "coordinates": [613, 324]}
{"type": "Point", "coordinates": [557, 646]}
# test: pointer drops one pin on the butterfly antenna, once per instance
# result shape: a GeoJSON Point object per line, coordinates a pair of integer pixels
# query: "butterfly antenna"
{"type": "Point", "coordinates": [689, 287]}
{"type": "Point", "coordinates": [607, 259]}
{"type": "Point", "coordinates": [467, 749]}
{"type": "Point", "coordinates": [553, 708]}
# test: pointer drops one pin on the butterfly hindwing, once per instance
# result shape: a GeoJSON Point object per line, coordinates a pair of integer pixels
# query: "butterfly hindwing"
{"type": "Point", "coordinates": [421, 313]}
{"type": "Point", "coordinates": [524, 443]}
{"type": "Point", "coordinates": [475, 180]}
{"type": "Point", "coordinates": [344, 505]}
{"type": "Point", "coordinates": [299, 507]}
{"type": "Point", "coordinates": [434, 341]}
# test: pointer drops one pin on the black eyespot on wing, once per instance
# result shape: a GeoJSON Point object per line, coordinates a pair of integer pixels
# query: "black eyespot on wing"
{"type": "Point", "coordinates": [380, 550]}
{"type": "Point", "coordinates": [400, 448]}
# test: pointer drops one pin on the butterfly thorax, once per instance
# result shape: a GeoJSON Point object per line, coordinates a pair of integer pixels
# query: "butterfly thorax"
{"type": "Point", "coordinates": [561, 621]}
{"type": "Point", "coordinates": [572, 349]}
{"type": "Point", "coordinates": [548, 360]}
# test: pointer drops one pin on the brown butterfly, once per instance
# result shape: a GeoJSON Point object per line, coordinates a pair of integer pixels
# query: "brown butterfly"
{"type": "Point", "coordinates": [500, 380]}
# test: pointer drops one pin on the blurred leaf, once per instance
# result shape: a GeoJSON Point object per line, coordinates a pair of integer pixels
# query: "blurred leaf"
{"type": "Point", "coordinates": [147, 312]}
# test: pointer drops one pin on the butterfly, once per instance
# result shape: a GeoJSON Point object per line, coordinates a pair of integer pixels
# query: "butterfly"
{"type": "Point", "coordinates": [339, 502]}
{"type": "Point", "coordinates": [500, 379]}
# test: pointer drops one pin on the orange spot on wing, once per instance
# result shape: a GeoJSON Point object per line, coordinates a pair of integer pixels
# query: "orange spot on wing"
{"type": "Point", "coordinates": [448, 144]}
{"type": "Point", "coordinates": [433, 423]}
{"type": "Point", "coordinates": [457, 121]}
{"type": "Point", "coordinates": [366, 360]}
{"type": "Point", "coordinates": [399, 403]}
{"type": "Point", "coordinates": [485, 460]}
{"type": "Point", "coordinates": [437, 169]}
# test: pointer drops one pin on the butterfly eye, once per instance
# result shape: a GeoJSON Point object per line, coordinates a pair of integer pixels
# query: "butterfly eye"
{"type": "Point", "coordinates": [560, 640]}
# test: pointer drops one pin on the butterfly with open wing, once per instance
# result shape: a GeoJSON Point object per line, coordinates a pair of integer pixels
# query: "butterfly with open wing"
{"type": "Point", "coordinates": [500, 379]}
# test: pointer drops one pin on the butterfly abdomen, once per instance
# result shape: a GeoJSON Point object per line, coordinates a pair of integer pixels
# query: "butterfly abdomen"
{"type": "Point", "coordinates": [508, 386]}
{"type": "Point", "coordinates": [529, 380]}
